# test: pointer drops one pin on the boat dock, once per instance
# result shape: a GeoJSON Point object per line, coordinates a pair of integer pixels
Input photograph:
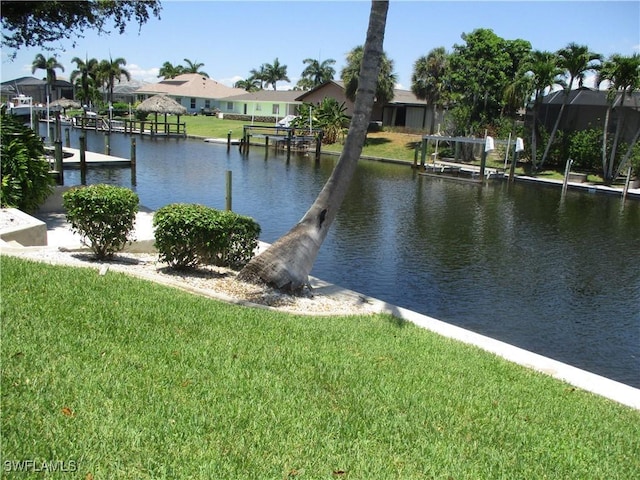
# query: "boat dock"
{"type": "Point", "coordinates": [459, 171]}
{"type": "Point", "coordinates": [71, 158]}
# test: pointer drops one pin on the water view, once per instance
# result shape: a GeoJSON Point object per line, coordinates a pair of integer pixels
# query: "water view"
{"type": "Point", "coordinates": [557, 276]}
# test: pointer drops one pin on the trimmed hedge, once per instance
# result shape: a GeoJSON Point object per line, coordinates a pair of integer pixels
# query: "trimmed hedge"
{"type": "Point", "coordinates": [188, 235]}
{"type": "Point", "coordinates": [103, 214]}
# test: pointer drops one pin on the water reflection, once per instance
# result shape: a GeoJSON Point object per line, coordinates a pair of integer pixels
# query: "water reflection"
{"type": "Point", "coordinates": [516, 262]}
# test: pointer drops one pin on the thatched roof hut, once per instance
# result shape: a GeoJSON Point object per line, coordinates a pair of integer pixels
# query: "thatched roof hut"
{"type": "Point", "coordinates": [161, 104]}
{"type": "Point", "coordinates": [64, 103]}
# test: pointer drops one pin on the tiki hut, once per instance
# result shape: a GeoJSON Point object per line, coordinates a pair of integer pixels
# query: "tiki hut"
{"type": "Point", "coordinates": [64, 103]}
{"type": "Point", "coordinates": [162, 104]}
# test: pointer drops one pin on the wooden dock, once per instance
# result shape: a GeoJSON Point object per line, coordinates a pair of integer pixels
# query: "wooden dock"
{"type": "Point", "coordinates": [71, 158]}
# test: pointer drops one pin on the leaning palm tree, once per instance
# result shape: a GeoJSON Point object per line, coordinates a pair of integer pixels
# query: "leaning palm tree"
{"type": "Point", "coordinates": [274, 73]}
{"type": "Point", "coordinates": [428, 80]}
{"type": "Point", "coordinates": [288, 262]}
{"type": "Point", "coordinates": [110, 71]}
{"type": "Point", "coordinates": [83, 75]}
{"type": "Point", "coordinates": [50, 65]}
{"type": "Point", "coordinates": [543, 70]}
{"type": "Point", "coordinates": [194, 67]}
{"type": "Point", "coordinates": [623, 74]}
{"type": "Point", "coordinates": [386, 78]}
{"type": "Point", "coordinates": [576, 60]}
{"type": "Point", "coordinates": [318, 72]}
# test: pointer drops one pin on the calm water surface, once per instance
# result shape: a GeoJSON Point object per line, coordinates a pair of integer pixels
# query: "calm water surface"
{"type": "Point", "coordinates": [560, 277]}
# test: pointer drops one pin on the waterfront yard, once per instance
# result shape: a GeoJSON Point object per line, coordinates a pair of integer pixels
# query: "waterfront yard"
{"type": "Point", "coordinates": [129, 379]}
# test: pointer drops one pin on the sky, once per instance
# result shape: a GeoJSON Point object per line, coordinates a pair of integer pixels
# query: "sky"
{"type": "Point", "coordinates": [233, 37]}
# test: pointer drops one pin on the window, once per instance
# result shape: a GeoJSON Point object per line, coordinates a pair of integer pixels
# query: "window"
{"type": "Point", "coordinates": [258, 107]}
{"type": "Point", "coordinates": [193, 103]}
{"type": "Point", "coordinates": [229, 105]}
{"type": "Point", "coordinates": [276, 109]}
{"type": "Point", "coordinates": [207, 103]}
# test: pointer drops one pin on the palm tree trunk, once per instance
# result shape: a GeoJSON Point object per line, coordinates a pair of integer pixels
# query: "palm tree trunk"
{"type": "Point", "coordinates": [554, 131]}
{"type": "Point", "coordinates": [288, 262]}
{"type": "Point", "coordinates": [627, 156]}
{"type": "Point", "coordinates": [614, 147]}
{"type": "Point", "coordinates": [604, 142]}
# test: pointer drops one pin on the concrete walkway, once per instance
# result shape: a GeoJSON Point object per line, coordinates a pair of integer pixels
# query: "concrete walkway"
{"type": "Point", "coordinates": [59, 235]}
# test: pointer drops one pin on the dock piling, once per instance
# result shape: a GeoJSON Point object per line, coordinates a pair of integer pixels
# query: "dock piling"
{"type": "Point", "coordinates": [228, 197]}
{"type": "Point", "coordinates": [133, 162]}
{"type": "Point", "coordinates": [83, 160]}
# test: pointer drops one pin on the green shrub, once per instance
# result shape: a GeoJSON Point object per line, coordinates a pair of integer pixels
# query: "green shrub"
{"type": "Point", "coordinates": [103, 214]}
{"type": "Point", "coordinates": [25, 172]}
{"type": "Point", "coordinates": [188, 235]}
{"type": "Point", "coordinates": [585, 149]}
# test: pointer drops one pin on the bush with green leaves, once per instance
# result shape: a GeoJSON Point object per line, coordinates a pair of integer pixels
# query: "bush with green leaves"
{"type": "Point", "coordinates": [103, 214]}
{"type": "Point", "coordinates": [585, 149]}
{"type": "Point", "coordinates": [188, 235]}
{"type": "Point", "coordinates": [26, 182]}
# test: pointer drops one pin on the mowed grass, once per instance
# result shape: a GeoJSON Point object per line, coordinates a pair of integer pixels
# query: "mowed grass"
{"type": "Point", "coordinates": [135, 380]}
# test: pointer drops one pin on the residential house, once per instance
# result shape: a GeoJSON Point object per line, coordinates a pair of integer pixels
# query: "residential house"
{"type": "Point", "coordinates": [586, 108]}
{"type": "Point", "coordinates": [405, 110]}
{"type": "Point", "coordinates": [193, 91]}
{"type": "Point", "coordinates": [262, 103]}
{"type": "Point", "coordinates": [36, 89]}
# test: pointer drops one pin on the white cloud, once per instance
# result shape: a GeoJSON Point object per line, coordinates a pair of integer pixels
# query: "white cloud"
{"type": "Point", "coordinates": [229, 82]}
{"type": "Point", "coordinates": [139, 73]}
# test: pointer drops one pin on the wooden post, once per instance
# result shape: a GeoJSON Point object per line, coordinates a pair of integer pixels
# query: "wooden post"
{"type": "Point", "coordinates": [133, 161]}
{"type": "Point", "coordinates": [229, 193]}
{"type": "Point", "coordinates": [483, 162]}
{"type": "Point", "coordinates": [512, 168]}
{"type": "Point", "coordinates": [416, 151]}
{"type": "Point", "coordinates": [59, 165]}
{"type": "Point", "coordinates": [289, 145]}
{"type": "Point", "coordinates": [67, 138]}
{"type": "Point", "coordinates": [107, 143]}
{"type": "Point", "coordinates": [83, 160]}
{"type": "Point", "coordinates": [318, 146]}
{"type": "Point", "coordinates": [423, 157]}
{"type": "Point", "coordinates": [229, 140]}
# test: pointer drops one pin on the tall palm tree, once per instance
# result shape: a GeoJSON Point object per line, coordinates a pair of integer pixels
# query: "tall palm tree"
{"type": "Point", "coordinates": [318, 72]}
{"type": "Point", "coordinates": [110, 71]}
{"type": "Point", "coordinates": [49, 65]}
{"type": "Point", "coordinates": [274, 73]}
{"type": "Point", "coordinates": [249, 84]}
{"type": "Point", "coordinates": [386, 78]}
{"type": "Point", "coordinates": [168, 70]}
{"type": "Point", "coordinates": [428, 80]}
{"type": "Point", "coordinates": [194, 67]}
{"type": "Point", "coordinates": [259, 74]}
{"type": "Point", "coordinates": [288, 262]}
{"type": "Point", "coordinates": [83, 74]}
{"type": "Point", "coordinates": [544, 72]}
{"type": "Point", "coordinates": [576, 60]}
{"type": "Point", "coordinates": [623, 74]}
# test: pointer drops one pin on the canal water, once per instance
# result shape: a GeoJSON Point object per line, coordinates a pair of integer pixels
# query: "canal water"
{"type": "Point", "coordinates": [516, 262]}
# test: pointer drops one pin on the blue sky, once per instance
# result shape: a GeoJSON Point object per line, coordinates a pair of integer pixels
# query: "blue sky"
{"type": "Point", "coordinates": [233, 37]}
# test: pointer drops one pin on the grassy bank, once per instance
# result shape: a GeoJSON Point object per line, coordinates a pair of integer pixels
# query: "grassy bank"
{"type": "Point", "coordinates": [130, 379]}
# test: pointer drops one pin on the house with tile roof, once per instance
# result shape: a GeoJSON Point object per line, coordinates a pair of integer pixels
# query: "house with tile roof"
{"type": "Point", "coordinates": [193, 91]}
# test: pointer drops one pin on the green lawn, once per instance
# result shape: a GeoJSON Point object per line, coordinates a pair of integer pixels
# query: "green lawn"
{"type": "Point", "coordinates": [134, 380]}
